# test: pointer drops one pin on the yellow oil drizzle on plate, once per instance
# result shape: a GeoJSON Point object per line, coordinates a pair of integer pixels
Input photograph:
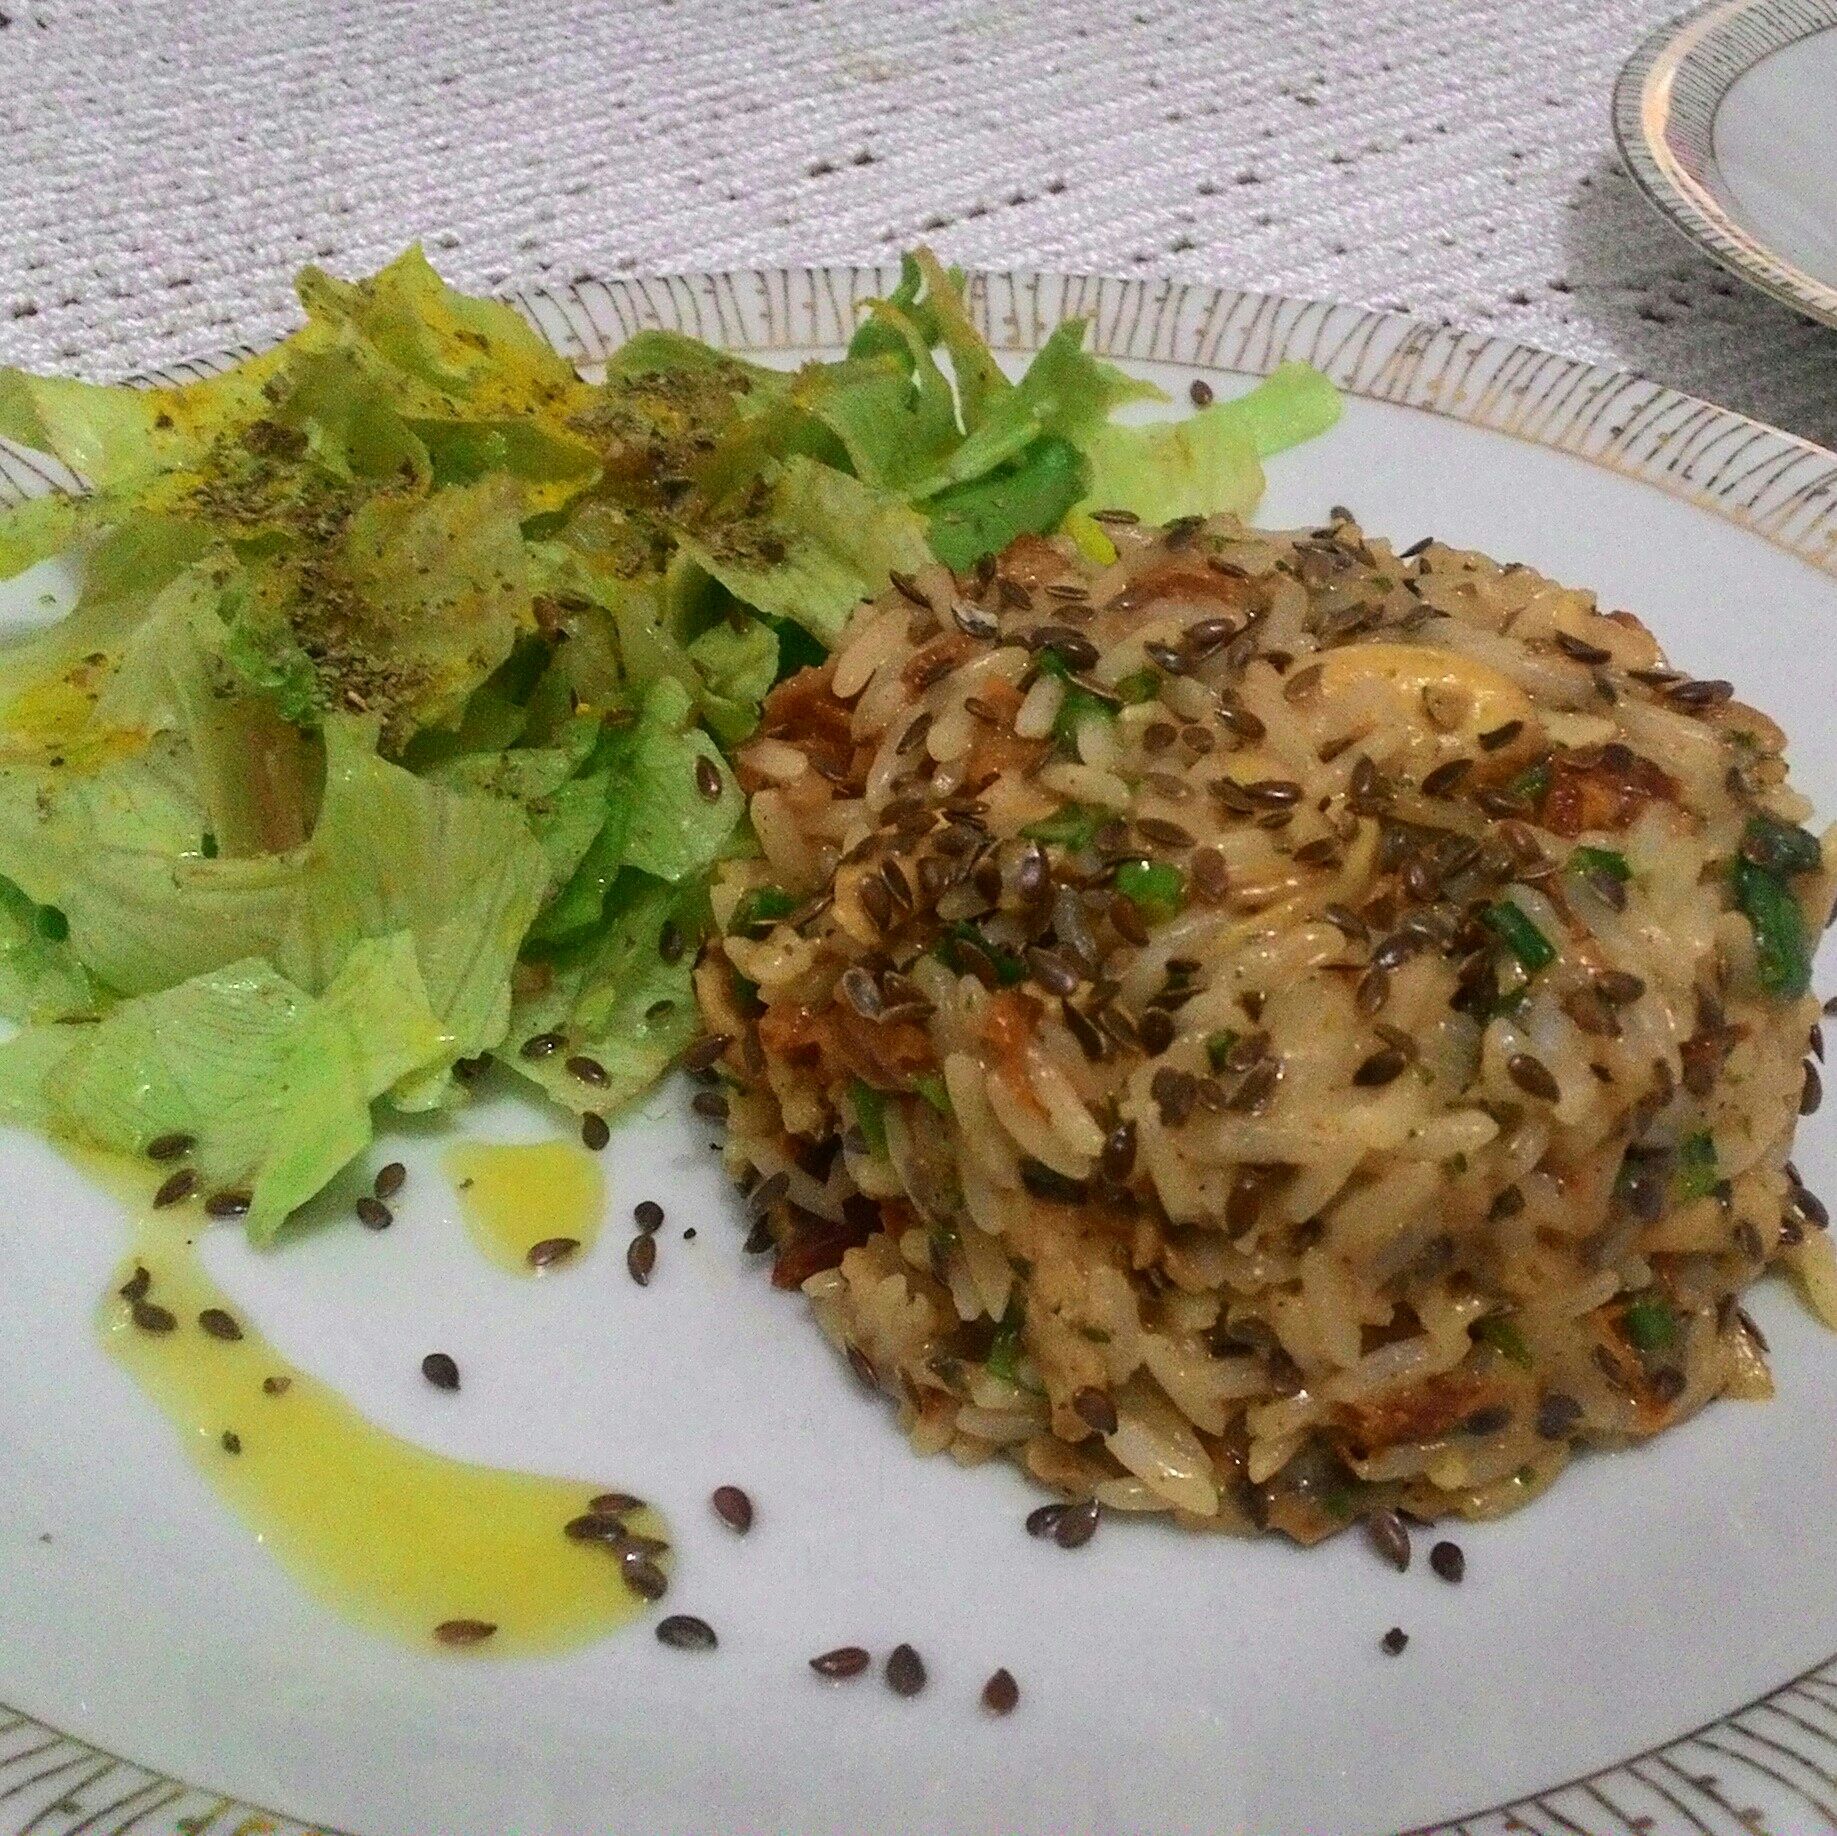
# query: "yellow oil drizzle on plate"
{"type": "Point", "coordinates": [390, 1535]}
{"type": "Point", "coordinates": [516, 1196]}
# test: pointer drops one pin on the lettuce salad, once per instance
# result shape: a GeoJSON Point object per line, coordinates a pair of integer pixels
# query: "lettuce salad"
{"type": "Point", "coordinates": [385, 732]}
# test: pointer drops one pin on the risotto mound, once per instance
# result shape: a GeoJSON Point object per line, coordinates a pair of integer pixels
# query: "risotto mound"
{"type": "Point", "coordinates": [1267, 1028]}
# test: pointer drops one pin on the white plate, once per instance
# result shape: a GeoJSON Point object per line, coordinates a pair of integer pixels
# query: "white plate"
{"type": "Point", "coordinates": [1724, 119]}
{"type": "Point", "coordinates": [1171, 1683]}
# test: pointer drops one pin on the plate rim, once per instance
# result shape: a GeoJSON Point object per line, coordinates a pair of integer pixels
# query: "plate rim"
{"type": "Point", "coordinates": [1664, 111]}
{"type": "Point", "coordinates": [1759, 477]}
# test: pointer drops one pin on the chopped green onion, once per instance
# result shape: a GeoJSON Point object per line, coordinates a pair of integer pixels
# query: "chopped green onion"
{"type": "Point", "coordinates": [1530, 784]}
{"type": "Point", "coordinates": [1155, 888]}
{"type": "Point", "coordinates": [207, 846]}
{"type": "Point", "coordinates": [51, 923]}
{"type": "Point", "coordinates": [931, 1087]}
{"type": "Point", "coordinates": [1696, 1174]}
{"type": "Point", "coordinates": [1779, 847]}
{"type": "Point", "coordinates": [1338, 1499]}
{"type": "Point", "coordinates": [1609, 861]}
{"type": "Point", "coordinates": [1050, 662]}
{"type": "Point", "coordinates": [1218, 1048]}
{"type": "Point", "coordinates": [762, 905]}
{"type": "Point", "coordinates": [1143, 686]}
{"type": "Point", "coordinates": [1078, 706]}
{"type": "Point", "coordinates": [1073, 827]}
{"type": "Point", "coordinates": [870, 1116]}
{"type": "Point", "coordinates": [1005, 1348]}
{"type": "Point", "coordinates": [1782, 959]}
{"type": "Point", "coordinates": [1498, 1331]}
{"type": "Point", "coordinates": [1089, 537]}
{"type": "Point", "coordinates": [1650, 1324]}
{"type": "Point", "coordinates": [1519, 935]}
{"type": "Point", "coordinates": [1009, 969]}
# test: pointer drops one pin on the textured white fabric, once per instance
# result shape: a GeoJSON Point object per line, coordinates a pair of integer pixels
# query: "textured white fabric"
{"type": "Point", "coordinates": [168, 163]}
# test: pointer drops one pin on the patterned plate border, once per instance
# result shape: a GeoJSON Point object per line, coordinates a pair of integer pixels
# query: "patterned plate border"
{"type": "Point", "coordinates": [1665, 103]}
{"type": "Point", "coordinates": [1768, 1768]}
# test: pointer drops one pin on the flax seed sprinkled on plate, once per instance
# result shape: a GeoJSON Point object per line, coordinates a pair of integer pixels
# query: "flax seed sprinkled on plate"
{"type": "Point", "coordinates": [176, 1187]}
{"type": "Point", "coordinates": [1448, 1561]}
{"type": "Point", "coordinates": [171, 1146]}
{"type": "Point", "coordinates": [615, 1504]}
{"type": "Point", "coordinates": [1390, 1537]}
{"type": "Point", "coordinates": [1393, 1642]}
{"type": "Point", "coordinates": [150, 1316]}
{"type": "Point", "coordinates": [905, 1671]}
{"type": "Point", "coordinates": [219, 1324]}
{"type": "Point", "coordinates": [1042, 1520]}
{"type": "Point", "coordinates": [551, 1252]}
{"type": "Point", "coordinates": [594, 1527]}
{"type": "Point", "coordinates": [462, 1632]}
{"type": "Point", "coordinates": [231, 1441]}
{"type": "Point", "coordinates": [373, 1214]}
{"type": "Point", "coordinates": [643, 1576]}
{"type": "Point", "coordinates": [229, 1204]}
{"type": "Point", "coordinates": [839, 1665]}
{"type": "Point", "coordinates": [647, 1214]}
{"type": "Point", "coordinates": [684, 1632]}
{"type": "Point", "coordinates": [707, 779]}
{"type": "Point", "coordinates": [440, 1370]}
{"type": "Point", "coordinates": [1001, 1693]}
{"type": "Point", "coordinates": [1077, 1524]}
{"type": "Point", "coordinates": [594, 1132]}
{"type": "Point", "coordinates": [733, 1507]}
{"type": "Point", "coordinates": [641, 1258]}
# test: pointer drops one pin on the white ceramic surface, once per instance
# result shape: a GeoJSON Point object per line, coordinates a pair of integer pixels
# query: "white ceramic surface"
{"type": "Point", "coordinates": [1171, 1684]}
{"type": "Point", "coordinates": [1777, 153]}
{"type": "Point", "coordinates": [1724, 118]}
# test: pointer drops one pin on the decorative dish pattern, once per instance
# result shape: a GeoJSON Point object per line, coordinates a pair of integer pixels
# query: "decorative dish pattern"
{"type": "Point", "coordinates": [1768, 1768]}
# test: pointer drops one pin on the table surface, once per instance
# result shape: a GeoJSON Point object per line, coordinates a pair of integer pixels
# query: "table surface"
{"type": "Point", "coordinates": [169, 163]}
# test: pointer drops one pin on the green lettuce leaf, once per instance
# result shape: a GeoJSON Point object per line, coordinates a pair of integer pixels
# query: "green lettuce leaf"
{"type": "Point", "coordinates": [41, 527]}
{"type": "Point", "coordinates": [1295, 402]}
{"type": "Point", "coordinates": [674, 829]}
{"type": "Point", "coordinates": [274, 1085]}
{"type": "Point", "coordinates": [1029, 495]}
{"type": "Point", "coordinates": [564, 805]}
{"type": "Point", "coordinates": [613, 998]}
{"type": "Point", "coordinates": [737, 665]}
{"type": "Point", "coordinates": [894, 413]}
{"type": "Point", "coordinates": [1210, 461]}
{"type": "Point", "coordinates": [459, 872]}
{"type": "Point", "coordinates": [657, 818]}
{"type": "Point", "coordinates": [1065, 392]}
{"type": "Point", "coordinates": [444, 354]}
{"type": "Point", "coordinates": [118, 851]}
{"type": "Point", "coordinates": [40, 976]}
{"type": "Point", "coordinates": [822, 543]}
{"type": "Point", "coordinates": [1194, 467]}
{"type": "Point", "coordinates": [118, 438]}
